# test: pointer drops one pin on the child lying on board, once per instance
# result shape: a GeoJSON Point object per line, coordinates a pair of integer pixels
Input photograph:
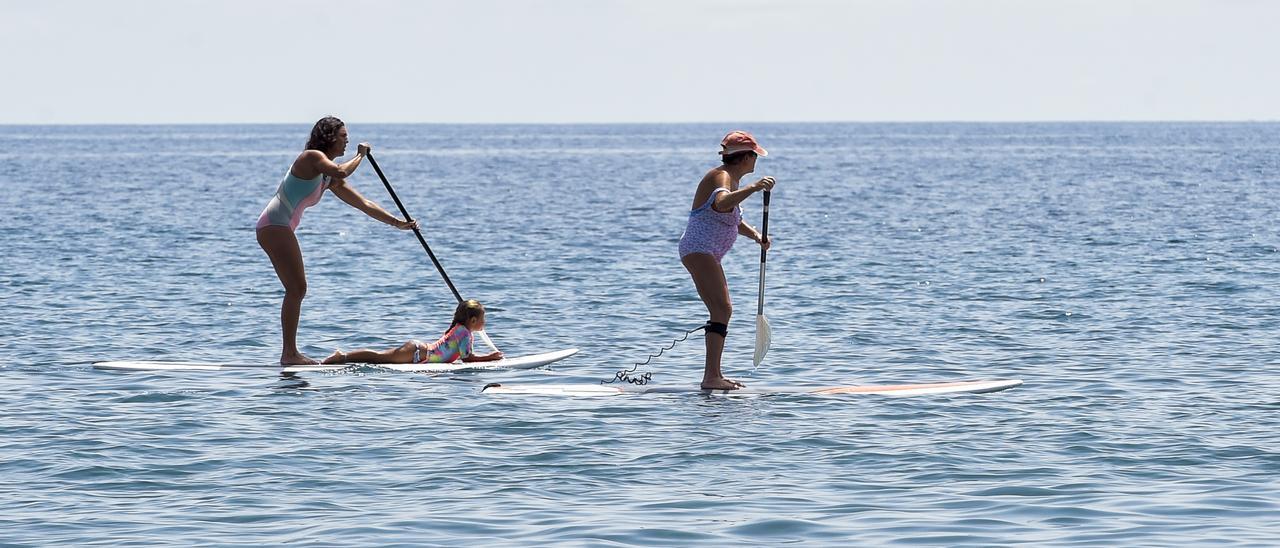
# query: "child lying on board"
{"type": "Point", "coordinates": [454, 345]}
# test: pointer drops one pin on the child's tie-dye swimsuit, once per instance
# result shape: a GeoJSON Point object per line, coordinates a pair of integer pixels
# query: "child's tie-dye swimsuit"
{"type": "Point", "coordinates": [453, 346]}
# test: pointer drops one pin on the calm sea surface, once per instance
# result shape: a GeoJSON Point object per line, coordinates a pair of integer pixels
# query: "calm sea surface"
{"type": "Point", "coordinates": [1128, 273]}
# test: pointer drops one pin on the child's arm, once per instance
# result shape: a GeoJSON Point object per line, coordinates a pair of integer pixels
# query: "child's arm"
{"type": "Point", "coordinates": [490, 357]}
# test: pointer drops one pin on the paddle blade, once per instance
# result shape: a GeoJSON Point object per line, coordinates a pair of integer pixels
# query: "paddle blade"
{"type": "Point", "coordinates": [485, 337]}
{"type": "Point", "coordinates": [763, 338]}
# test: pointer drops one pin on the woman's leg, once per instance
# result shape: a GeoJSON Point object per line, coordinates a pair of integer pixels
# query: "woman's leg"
{"type": "Point", "coordinates": [282, 247]}
{"type": "Point", "coordinates": [400, 354]}
{"type": "Point", "coordinates": [708, 277]}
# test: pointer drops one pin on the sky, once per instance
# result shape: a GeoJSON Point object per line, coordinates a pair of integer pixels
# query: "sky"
{"type": "Point", "coordinates": [605, 61]}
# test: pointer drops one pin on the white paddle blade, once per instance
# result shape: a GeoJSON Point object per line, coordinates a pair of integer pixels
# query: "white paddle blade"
{"type": "Point", "coordinates": [485, 337]}
{"type": "Point", "coordinates": [763, 338]}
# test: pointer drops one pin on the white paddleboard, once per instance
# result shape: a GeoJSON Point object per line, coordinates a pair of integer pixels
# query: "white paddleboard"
{"type": "Point", "coordinates": [521, 362]}
{"type": "Point", "coordinates": [898, 390]}
{"type": "Point", "coordinates": [143, 365]}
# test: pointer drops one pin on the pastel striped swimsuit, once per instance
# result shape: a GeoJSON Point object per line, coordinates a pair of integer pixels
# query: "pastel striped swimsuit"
{"type": "Point", "coordinates": [292, 196]}
{"type": "Point", "coordinates": [454, 345]}
{"type": "Point", "coordinates": [710, 231]}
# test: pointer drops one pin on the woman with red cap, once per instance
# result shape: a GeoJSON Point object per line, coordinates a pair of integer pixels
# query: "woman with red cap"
{"type": "Point", "coordinates": [715, 221]}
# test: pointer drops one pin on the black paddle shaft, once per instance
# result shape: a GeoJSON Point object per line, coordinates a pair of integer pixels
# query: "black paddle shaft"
{"type": "Point", "coordinates": [764, 225]}
{"type": "Point", "coordinates": [764, 238]}
{"type": "Point", "coordinates": [417, 232]}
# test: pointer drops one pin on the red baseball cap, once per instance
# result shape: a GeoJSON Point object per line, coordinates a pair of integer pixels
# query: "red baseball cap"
{"type": "Point", "coordinates": [738, 141]}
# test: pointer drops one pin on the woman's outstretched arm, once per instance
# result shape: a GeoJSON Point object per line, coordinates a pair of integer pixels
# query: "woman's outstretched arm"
{"type": "Point", "coordinates": [334, 170]}
{"type": "Point", "coordinates": [726, 201]}
{"type": "Point", "coordinates": [352, 197]}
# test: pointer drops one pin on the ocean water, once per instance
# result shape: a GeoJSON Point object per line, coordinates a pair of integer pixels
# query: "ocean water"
{"type": "Point", "coordinates": [1128, 273]}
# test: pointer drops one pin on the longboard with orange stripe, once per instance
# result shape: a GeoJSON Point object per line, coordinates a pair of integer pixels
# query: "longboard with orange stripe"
{"type": "Point", "coordinates": [897, 390]}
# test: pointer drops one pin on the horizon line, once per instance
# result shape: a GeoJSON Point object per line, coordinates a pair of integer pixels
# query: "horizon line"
{"type": "Point", "coordinates": [635, 123]}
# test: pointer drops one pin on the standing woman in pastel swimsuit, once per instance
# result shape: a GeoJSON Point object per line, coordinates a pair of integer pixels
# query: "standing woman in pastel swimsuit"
{"type": "Point", "coordinates": [312, 173]}
{"type": "Point", "coordinates": [715, 222]}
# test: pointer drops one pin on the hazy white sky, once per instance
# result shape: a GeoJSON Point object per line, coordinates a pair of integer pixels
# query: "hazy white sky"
{"type": "Point", "coordinates": [178, 61]}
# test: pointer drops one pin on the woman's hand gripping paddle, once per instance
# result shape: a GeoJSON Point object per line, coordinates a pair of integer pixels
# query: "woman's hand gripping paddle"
{"type": "Point", "coordinates": [763, 333]}
{"type": "Point", "coordinates": [483, 336]}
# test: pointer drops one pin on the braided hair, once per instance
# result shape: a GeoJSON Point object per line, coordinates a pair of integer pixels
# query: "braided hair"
{"type": "Point", "coordinates": [324, 134]}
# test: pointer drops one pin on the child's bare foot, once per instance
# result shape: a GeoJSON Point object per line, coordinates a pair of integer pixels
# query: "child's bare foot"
{"type": "Point", "coordinates": [296, 359]}
{"type": "Point", "coordinates": [337, 356]}
{"type": "Point", "coordinates": [721, 384]}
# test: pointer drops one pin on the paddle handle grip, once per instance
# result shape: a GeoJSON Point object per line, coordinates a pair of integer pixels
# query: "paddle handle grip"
{"type": "Point", "coordinates": [416, 232]}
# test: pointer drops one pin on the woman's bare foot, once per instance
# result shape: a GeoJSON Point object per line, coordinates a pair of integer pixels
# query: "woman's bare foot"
{"type": "Point", "coordinates": [721, 384]}
{"type": "Point", "coordinates": [337, 356]}
{"type": "Point", "coordinates": [296, 359]}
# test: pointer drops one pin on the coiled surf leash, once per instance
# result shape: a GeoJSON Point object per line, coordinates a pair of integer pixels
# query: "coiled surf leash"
{"type": "Point", "coordinates": [626, 375]}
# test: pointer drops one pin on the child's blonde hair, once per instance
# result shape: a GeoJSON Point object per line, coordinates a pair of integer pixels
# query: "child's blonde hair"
{"type": "Point", "coordinates": [466, 311]}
